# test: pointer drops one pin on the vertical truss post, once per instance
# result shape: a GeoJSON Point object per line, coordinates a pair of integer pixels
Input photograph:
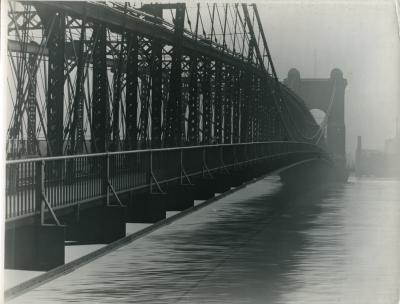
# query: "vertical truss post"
{"type": "Point", "coordinates": [156, 82]}
{"type": "Point", "coordinates": [256, 107]}
{"type": "Point", "coordinates": [207, 106]}
{"type": "Point", "coordinates": [174, 117]}
{"type": "Point", "coordinates": [244, 106]}
{"type": "Point", "coordinates": [145, 88]}
{"type": "Point", "coordinates": [76, 136]}
{"type": "Point", "coordinates": [251, 107]}
{"type": "Point", "coordinates": [117, 93]}
{"type": "Point", "coordinates": [228, 95]}
{"type": "Point", "coordinates": [100, 106]}
{"type": "Point", "coordinates": [249, 92]}
{"type": "Point", "coordinates": [185, 99]}
{"type": "Point", "coordinates": [31, 107]}
{"type": "Point", "coordinates": [193, 123]}
{"type": "Point", "coordinates": [218, 103]}
{"type": "Point", "coordinates": [236, 106]}
{"type": "Point", "coordinates": [55, 90]}
{"type": "Point", "coordinates": [262, 126]}
{"type": "Point", "coordinates": [156, 92]}
{"type": "Point", "coordinates": [131, 93]}
{"type": "Point", "coordinates": [270, 114]}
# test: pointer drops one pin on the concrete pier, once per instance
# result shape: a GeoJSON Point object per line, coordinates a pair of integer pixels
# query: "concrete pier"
{"type": "Point", "coordinates": [97, 225]}
{"type": "Point", "coordinates": [205, 188]}
{"type": "Point", "coordinates": [223, 182]}
{"type": "Point", "coordinates": [146, 207]}
{"type": "Point", "coordinates": [34, 247]}
{"type": "Point", "coordinates": [180, 197]}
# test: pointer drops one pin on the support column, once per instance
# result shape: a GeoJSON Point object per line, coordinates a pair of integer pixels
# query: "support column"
{"type": "Point", "coordinates": [145, 90]}
{"type": "Point", "coordinates": [207, 103]}
{"type": "Point", "coordinates": [146, 207]}
{"type": "Point", "coordinates": [228, 106]}
{"type": "Point", "coordinates": [180, 197]}
{"type": "Point", "coordinates": [117, 92]}
{"type": "Point", "coordinates": [34, 247]}
{"type": "Point", "coordinates": [236, 107]}
{"type": "Point", "coordinates": [244, 105]}
{"type": "Point", "coordinates": [156, 83]}
{"type": "Point", "coordinates": [250, 108]}
{"type": "Point", "coordinates": [55, 90]}
{"type": "Point", "coordinates": [193, 123]}
{"type": "Point", "coordinates": [174, 108]}
{"type": "Point", "coordinates": [156, 93]}
{"type": "Point", "coordinates": [131, 93]}
{"type": "Point", "coordinates": [76, 136]}
{"type": "Point", "coordinates": [31, 110]}
{"type": "Point", "coordinates": [100, 108]}
{"type": "Point", "coordinates": [205, 188]}
{"type": "Point", "coordinates": [218, 103]}
{"type": "Point", "coordinates": [336, 130]}
{"type": "Point", "coordinates": [96, 225]}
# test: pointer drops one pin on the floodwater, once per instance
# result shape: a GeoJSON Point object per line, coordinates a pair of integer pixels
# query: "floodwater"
{"type": "Point", "coordinates": [263, 244]}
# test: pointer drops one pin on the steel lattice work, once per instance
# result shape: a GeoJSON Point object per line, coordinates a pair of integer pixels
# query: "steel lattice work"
{"type": "Point", "coordinates": [89, 77]}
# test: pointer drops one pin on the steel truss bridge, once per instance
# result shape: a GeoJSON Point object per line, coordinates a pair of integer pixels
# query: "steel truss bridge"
{"type": "Point", "coordinates": [110, 99]}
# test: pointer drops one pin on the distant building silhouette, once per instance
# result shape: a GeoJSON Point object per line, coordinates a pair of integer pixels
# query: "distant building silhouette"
{"type": "Point", "coordinates": [379, 163]}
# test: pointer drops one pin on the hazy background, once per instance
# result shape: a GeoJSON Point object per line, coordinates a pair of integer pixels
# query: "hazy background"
{"type": "Point", "coordinates": [359, 37]}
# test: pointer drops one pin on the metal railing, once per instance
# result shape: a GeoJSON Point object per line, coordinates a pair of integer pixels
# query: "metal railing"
{"type": "Point", "coordinates": [58, 182]}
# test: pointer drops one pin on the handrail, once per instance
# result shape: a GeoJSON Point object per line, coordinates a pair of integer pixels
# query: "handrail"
{"type": "Point", "coordinates": [49, 158]}
{"type": "Point", "coordinates": [60, 182]}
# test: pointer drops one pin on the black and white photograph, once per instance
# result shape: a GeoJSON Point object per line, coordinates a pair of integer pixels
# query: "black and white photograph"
{"type": "Point", "coordinates": [200, 152]}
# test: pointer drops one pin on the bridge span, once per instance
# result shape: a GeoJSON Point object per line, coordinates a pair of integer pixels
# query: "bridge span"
{"type": "Point", "coordinates": [120, 113]}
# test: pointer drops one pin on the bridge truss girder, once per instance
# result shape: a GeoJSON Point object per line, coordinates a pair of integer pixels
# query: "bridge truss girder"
{"type": "Point", "coordinates": [122, 78]}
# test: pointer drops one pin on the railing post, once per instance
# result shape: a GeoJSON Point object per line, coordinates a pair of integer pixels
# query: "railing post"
{"type": "Point", "coordinates": [181, 165]}
{"type": "Point", "coordinates": [151, 172]}
{"type": "Point", "coordinates": [221, 159]}
{"type": "Point", "coordinates": [246, 154]}
{"type": "Point", "coordinates": [204, 160]}
{"type": "Point", "coordinates": [108, 179]}
{"type": "Point", "coordinates": [39, 189]}
{"type": "Point", "coordinates": [234, 157]}
{"type": "Point", "coordinates": [105, 169]}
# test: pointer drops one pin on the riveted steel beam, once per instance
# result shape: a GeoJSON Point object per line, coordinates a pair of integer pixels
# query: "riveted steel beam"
{"type": "Point", "coordinates": [207, 101]}
{"type": "Point", "coordinates": [100, 107]}
{"type": "Point", "coordinates": [117, 19]}
{"type": "Point", "coordinates": [174, 129]}
{"type": "Point", "coordinates": [131, 100]}
{"type": "Point", "coordinates": [55, 30]}
{"type": "Point", "coordinates": [31, 110]}
{"type": "Point", "coordinates": [193, 122]}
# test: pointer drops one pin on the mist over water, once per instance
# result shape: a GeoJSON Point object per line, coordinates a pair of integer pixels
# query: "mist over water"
{"type": "Point", "coordinates": [263, 244]}
{"type": "Point", "coordinates": [359, 37]}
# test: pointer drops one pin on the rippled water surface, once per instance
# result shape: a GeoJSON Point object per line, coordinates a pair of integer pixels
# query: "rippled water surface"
{"type": "Point", "coordinates": [263, 244]}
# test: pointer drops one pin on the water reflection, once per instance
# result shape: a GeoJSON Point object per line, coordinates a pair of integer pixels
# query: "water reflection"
{"type": "Point", "coordinates": [265, 244]}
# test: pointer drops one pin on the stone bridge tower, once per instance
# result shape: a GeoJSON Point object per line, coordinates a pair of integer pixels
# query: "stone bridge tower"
{"type": "Point", "coordinates": [326, 95]}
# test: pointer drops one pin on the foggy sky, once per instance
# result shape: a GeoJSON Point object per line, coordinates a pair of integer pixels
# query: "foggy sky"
{"type": "Point", "coordinates": [359, 37]}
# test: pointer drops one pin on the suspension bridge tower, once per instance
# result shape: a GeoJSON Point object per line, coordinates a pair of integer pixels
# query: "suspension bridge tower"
{"type": "Point", "coordinates": [327, 95]}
